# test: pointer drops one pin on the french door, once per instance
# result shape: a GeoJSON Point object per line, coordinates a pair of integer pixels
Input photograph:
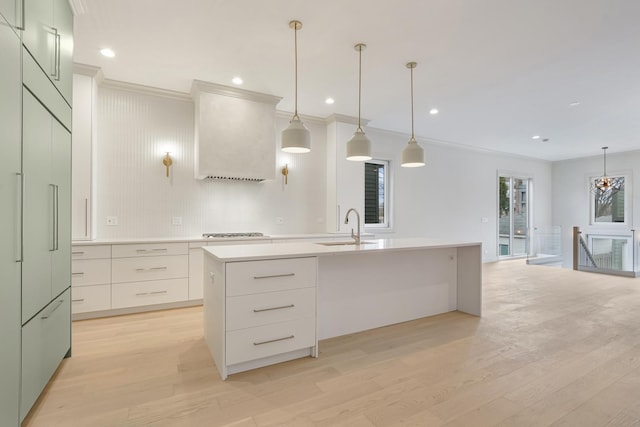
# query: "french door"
{"type": "Point", "coordinates": [513, 216]}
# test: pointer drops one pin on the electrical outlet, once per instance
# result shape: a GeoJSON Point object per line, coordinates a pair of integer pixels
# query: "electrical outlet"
{"type": "Point", "coordinates": [176, 220]}
{"type": "Point", "coordinates": [112, 220]}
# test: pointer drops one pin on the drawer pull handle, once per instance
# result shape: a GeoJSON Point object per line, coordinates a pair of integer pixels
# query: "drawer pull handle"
{"type": "Point", "coordinates": [78, 300]}
{"type": "Point", "coordinates": [141, 294]}
{"type": "Point", "coordinates": [151, 269]}
{"type": "Point", "coordinates": [151, 250]}
{"type": "Point", "coordinates": [274, 275]}
{"type": "Point", "coordinates": [80, 273]}
{"type": "Point", "coordinates": [58, 304]}
{"type": "Point", "coordinates": [77, 253]}
{"type": "Point", "coordinates": [259, 310]}
{"type": "Point", "coordinates": [275, 340]}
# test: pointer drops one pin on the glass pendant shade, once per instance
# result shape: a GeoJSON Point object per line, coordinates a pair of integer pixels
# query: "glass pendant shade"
{"type": "Point", "coordinates": [359, 147]}
{"type": "Point", "coordinates": [412, 155]}
{"type": "Point", "coordinates": [296, 138]}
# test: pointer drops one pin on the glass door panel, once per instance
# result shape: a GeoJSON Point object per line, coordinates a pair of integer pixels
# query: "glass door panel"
{"type": "Point", "coordinates": [513, 214]}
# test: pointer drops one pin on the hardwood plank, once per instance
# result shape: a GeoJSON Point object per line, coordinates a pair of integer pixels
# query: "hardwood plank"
{"type": "Point", "coordinates": [554, 347]}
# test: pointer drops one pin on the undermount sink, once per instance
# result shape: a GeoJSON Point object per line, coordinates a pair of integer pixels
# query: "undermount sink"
{"type": "Point", "coordinates": [342, 243]}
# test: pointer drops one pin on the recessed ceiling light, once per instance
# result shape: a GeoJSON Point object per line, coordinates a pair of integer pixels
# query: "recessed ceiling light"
{"type": "Point", "coordinates": [329, 101]}
{"type": "Point", "coordinates": [236, 81]}
{"type": "Point", "coordinates": [433, 111]}
{"type": "Point", "coordinates": [107, 52]}
{"type": "Point", "coordinates": [535, 137]}
{"type": "Point", "coordinates": [574, 103]}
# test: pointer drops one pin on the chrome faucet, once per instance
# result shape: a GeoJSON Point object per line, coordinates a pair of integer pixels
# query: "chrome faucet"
{"type": "Point", "coordinates": [356, 237]}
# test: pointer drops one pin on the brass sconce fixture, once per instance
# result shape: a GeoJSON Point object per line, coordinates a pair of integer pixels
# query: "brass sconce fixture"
{"type": "Point", "coordinates": [285, 173]}
{"type": "Point", "coordinates": [167, 162]}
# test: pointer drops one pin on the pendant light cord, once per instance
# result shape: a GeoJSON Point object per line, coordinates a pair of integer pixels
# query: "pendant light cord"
{"type": "Point", "coordinates": [295, 38]}
{"type": "Point", "coordinates": [412, 134]}
{"type": "Point", "coordinates": [359, 85]}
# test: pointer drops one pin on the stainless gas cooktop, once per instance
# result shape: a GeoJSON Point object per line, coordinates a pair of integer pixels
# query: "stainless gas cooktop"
{"type": "Point", "coordinates": [216, 235]}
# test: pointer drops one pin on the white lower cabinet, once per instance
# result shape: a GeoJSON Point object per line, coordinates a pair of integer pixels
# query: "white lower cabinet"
{"type": "Point", "coordinates": [86, 299]}
{"type": "Point", "coordinates": [46, 339]}
{"type": "Point", "coordinates": [137, 294]}
{"type": "Point", "coordinates": [260, 312]}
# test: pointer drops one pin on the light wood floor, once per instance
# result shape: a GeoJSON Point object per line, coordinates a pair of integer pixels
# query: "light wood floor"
{"type": "Point", "coordinates": [554, 347]}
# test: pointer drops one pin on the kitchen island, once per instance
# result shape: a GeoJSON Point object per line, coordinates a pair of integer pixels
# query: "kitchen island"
{"type": "Point", "coordinates": [265, 304]}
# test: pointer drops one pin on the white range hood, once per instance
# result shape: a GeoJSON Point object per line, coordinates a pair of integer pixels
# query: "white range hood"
{"type": "Point", "coordinates": [234, 133]}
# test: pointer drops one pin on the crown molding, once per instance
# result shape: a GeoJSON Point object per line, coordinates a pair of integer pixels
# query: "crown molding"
{"type": "Point", "coordinates": [146, 90]}
{"type": "Point", "coordinates": [341, 118]}
{"type": "Point", "coordinates": [200, 86]}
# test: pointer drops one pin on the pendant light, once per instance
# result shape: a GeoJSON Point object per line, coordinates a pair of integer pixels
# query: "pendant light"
{"type": "Point", "coordinates": [412, 154]}
{"type": "Point", "coordinates": [359, 146]}
{"type": "Point", "coordinates": [296, 138]}
{"type": "Point", "coordinates": [607, 183]}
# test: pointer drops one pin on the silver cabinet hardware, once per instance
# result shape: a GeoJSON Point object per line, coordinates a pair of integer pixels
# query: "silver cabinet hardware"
{"type": "Point", "coordinates": [260, 310]}
{"type": "Point", "coordinates": [274, 340]}
{"type": "Point", "coordinates": [78, 300]}
{"type": "Point", "coordinates": [21, 26]}
{"type": "Point", "coordinates": [53, 218]}
{"type": "Point", "coordinates": [141, 294]}
{"type": "Point", "coordinates": [151, 250]}
{"type": "Point", "coordinates": [86, 217]}
{"type": "Point", "coordinates": [274, 275]}
{"type": "Point", "coordinates": [77, 253]}
{"type": "Point", "coordinates": [58, 304]}
{"type": "Point", "coordinates": [79, 273]}
{"type": "Point", "coordinates": [19, 197]}
{"type": "Point", "coordinates": [151, 269]}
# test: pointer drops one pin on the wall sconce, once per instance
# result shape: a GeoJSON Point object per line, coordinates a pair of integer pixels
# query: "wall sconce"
{"type": "Point", "coordinates": [167, 162]}
{"type": "Point", "coordinates": [285, 173]}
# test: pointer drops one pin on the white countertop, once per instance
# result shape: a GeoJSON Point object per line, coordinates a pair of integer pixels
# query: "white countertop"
{"type": "Point", "coordinates": [131, 240]}
{"type": "Point", "coordinates": [302, 249]}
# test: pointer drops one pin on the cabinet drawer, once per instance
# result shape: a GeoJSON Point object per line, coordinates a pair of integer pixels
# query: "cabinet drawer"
{"type": "Point", "coordinates": [250, 277]}
{"type": "Point", "coordinates": [90, 272]}
{"type": "Point", "coordinates": [148, 293]}
{"type": "Point", "coordinates": [45, 340]}
{"type": "Point", "coordinates": [149, 268]}
{"type": "Point", "coordinates": [90, 251]}
{"type": "Point", "coordinates": [261, 309]}
{"type": "Point", "coordinates": [264, 341]}
{"type": "Point", "coordinates": [90, 298]}
{"type": "Point", "coordinates": [149, 249]}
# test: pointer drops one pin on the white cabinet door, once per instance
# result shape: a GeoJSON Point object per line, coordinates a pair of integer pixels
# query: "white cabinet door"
{"type": "Point", "coordinates": [10, 212]}
{"type": "Point", "coordinates": [81, 206]}
{"type": "Point", "coordinates": [38, 215]}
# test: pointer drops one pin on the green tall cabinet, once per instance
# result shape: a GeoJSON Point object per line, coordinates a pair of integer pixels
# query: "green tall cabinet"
{"type": "Point", "coordinates": [11, 216]}
{"type": "Point", "coordinates": [35, 185]}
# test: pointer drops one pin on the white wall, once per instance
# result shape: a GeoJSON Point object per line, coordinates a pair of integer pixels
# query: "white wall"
{"type": "Point", "coordinates": [571, 201]}
{"type": "Point", "coordinates": [445, 199]}
{"type": "Point", "coordinates": [134, 130]}
{"type": "Point", "coordinates": [449, 196]}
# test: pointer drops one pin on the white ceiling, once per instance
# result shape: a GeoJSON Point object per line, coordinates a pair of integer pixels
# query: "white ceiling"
{"type": "Point", "coordinates": [499, 71]}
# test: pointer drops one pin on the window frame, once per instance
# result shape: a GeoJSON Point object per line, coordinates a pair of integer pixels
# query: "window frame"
{"type": "Point", "coordinates": [628, 195]}
{"type": "Point", "coordinates": [387, 225]}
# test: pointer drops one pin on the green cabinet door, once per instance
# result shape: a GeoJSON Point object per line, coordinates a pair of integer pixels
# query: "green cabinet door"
{"type": "Point", "coordinates": [38, 36]}
{"type": "Point", "coordinates": [63, 22]}
{"type": "Point", "coordinates": [38, 207]}
{"type": "Point", "coordinates": [10, 212]}
{"type": "Point", "coordinates": [61, 178]}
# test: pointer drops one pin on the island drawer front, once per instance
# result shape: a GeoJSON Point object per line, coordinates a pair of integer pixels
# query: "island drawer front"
{"type": "Point", "coordinates": [149, 249]}
{"type": "Point", "coordinates": [90, 298]}
{"type": "Point", "coordinates": [250, 277]}
{"type": "Point", "coordinates": [261, 309]}
{"type": "Point", "coordinates": [136, 294]}
{"type": "Point", "coordinates": [90, 272]}
{"type": "Point", "coordinates": [149, 268]}
{"type": "Point", "coordinates": [263, 341]}
{"type": "Point", "coordinates": [90, 251]}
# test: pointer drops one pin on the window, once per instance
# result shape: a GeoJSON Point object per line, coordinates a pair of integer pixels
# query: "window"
{"type": "Point", "coordinates": [609, 206]}
{"type": "Point", "coordinates": [376, 193]}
